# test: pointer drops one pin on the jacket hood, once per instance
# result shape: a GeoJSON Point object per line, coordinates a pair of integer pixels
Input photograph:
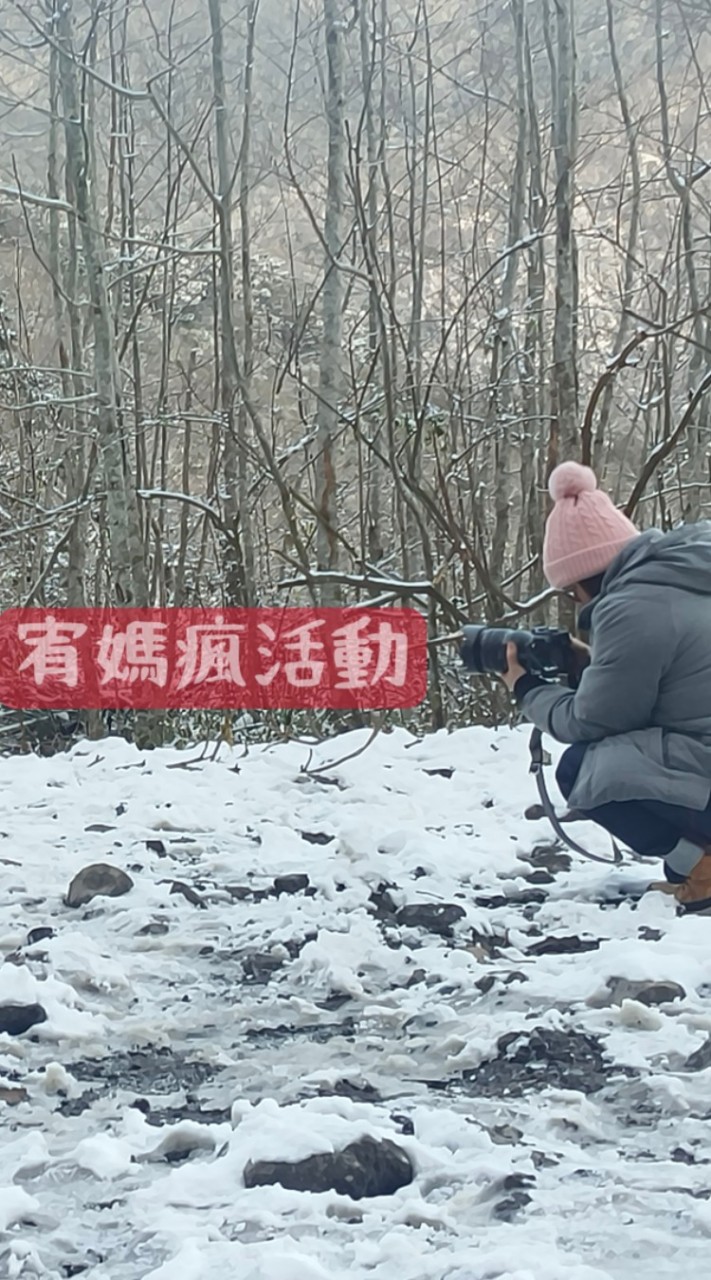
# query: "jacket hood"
{"type": "Point", "coordinates": [680, 559]}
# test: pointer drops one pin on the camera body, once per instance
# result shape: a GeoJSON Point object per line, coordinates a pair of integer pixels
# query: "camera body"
{"type": "Point", "coordinates": [545, 652]}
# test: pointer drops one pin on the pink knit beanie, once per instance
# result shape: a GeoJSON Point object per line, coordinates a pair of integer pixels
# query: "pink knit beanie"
{"type": "Point", "coordinates": [584, 531]}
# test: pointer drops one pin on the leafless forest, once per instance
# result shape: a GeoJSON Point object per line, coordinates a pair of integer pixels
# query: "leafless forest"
{"type": "Point", "coordinates": [300, 300]}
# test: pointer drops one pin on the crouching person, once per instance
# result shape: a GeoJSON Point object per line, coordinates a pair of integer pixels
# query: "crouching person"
{"type": "Point", "coordinates": [640, 719]}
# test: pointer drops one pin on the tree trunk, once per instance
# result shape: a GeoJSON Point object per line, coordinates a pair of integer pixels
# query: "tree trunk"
{"type": "Point", "coordinates": [126, 550]}
{"type": "Point", "coordinates": [235, 585]}
{"type": "Point", "coordinates": [330, 372]}
{"type": "Point", "coordinates": [247, 306]}
{"type": "Point", "coordinates": [564, 433]}
{"type": "Point", "coordinates": [375, 475]}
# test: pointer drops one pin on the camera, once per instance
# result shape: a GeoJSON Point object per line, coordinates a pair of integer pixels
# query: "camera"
{"type": "Point", "coordinates": [546, 652]}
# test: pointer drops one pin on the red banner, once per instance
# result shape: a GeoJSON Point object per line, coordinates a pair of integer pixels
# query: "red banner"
{"type": "Point", "coordinates": [212, 658]}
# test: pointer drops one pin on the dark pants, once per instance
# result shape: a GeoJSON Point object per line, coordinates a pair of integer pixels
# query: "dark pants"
{"type": "Point", "coordinates": [651, 827]}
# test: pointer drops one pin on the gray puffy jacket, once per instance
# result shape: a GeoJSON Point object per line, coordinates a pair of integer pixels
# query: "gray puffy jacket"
{"type": "Point", "coordinates": [644, 703]}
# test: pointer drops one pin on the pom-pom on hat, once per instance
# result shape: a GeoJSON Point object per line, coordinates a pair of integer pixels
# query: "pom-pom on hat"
{"type": "Point", "coordinates": [584, 531]}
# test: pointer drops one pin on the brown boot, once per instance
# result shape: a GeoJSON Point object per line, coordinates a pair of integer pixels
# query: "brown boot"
{"type": "Point", "coordinates": [694, 893]}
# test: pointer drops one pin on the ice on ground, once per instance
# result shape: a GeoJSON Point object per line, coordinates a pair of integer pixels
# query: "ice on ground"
{"type": "Point", "coordinates": [188, 1035]}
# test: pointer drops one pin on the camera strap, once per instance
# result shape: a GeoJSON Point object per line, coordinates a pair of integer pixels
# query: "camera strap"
{"type": "Point", "coordinates": [535, 747]}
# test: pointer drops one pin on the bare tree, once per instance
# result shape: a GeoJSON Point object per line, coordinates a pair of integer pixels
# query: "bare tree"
{"type": "Point", "coordinates": [564, 388]}
{"type": "Point", "coordinates": [238, 589]}
{"type": "Point", "coordinates": [330, 366]}
{"type": "Point", "coordinates": [302, 299]}
{"type": "Point", "coordinates": [129, 580]}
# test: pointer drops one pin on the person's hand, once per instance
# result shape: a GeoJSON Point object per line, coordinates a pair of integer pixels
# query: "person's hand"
{"type": "Point", "coordinates": [581, 649]}
{"type": "Point", "coordinates": [581, 659]}
{"type": "Point", "coordinates": [514, 670]}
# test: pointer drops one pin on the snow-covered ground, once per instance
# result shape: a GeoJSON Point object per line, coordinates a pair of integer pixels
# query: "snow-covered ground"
{"type": "Point", "coordinates": [234, 1019]}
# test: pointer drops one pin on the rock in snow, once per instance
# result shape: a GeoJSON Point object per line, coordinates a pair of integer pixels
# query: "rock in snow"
{"type": "Point", "coordinates": [364, 1168]}
{"type": "Point", "coordinates": [15, 1019]}
{"type": "Point", "coordinates": [290, 884]}
{"type": "Point", "coordinates": [436, 917]}
{"type": "Point", "coordinates": [98, 880]}
{"type": "Point", "coordinates": [643, 991]}
{"type": "Point", "coordinates": [700, 1059]}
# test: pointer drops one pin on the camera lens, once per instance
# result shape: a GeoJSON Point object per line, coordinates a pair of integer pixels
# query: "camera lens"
{"type": "Point", "coordinates": [483, 648]}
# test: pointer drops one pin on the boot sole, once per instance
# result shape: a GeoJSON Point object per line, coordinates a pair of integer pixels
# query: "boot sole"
{"type": "Point", "coordinates": [702, 908]}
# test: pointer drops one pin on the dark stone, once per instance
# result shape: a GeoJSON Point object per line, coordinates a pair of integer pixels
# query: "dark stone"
{"type": "Point", "coordinates": [71, 1107]}
{"type": "Point", "coordinates": [290, 884]}
{"type": "Point", "coordinates": [540, 877]}
{"type": "Point", "coordinates": [363, 1169]}
{"type": "Point", "coordinates": [335, 1000]}
{"type": "Point", "coordinates": [644, 991]}
{"type": "Point", "coordinates": [176, 1157]}
{"type": "Point", "coordinates": [534, 813]}
{"type": "Point", "coordinates": [97, 880]}
{"type": "Point", "coordinates": [506, 1210]}
{"type": "Point", "coordinates": [522, 899]}
{"type": "Point", "coordinates": [189, 894]}
{"type": "Point", "coordinates": [90, 1258]}
{"type": "Point", "coordinates": [415, 979]}
{"type": "Point", "coordinates": [700, 1059]}
{"type": "Point", "coordinates": [348, 1089]}
{"type": "Point", "coordinates": [322, 780]}
{"type": "Point", "coordinates": [518, 1182]}
{"type": "Point", "coordinates": [191, 1111]}
{"type": "Point", "coordinates": [382, 903]}
{"type": "Point", "coordinates": [540, 1160]}
{"type": "Point", "coordinates": [404, 1124]}
{"type": "Point", "coordinates": [239, 892]}
{"type": "Point", "coordinates": [296, 945]}
{"type": "Point", "coordinates": [517, 1187]}
{"type": "Point", "coordinates": [15, 1019]}
{"type": "Point", "coordinates": [154, 929]}
{"type": "Point", "coordinates": [485, 984]}
{"type": "Point", "coordinates": [39, 935]}
{"type": "Point", "coordinates": [489, 942]}
{"type": "Point", "coordinates": [317, 837]}
{"type": "Point", "coordinates": [13, 1095]}
{"type": "Point", "coordinates": [144, 1071]}
{"type": "Point", "coordinates": [505, 1135]}
{"type": "Point", "coordinates": [548, 857]}
{"type": "Point", "coordinates": [157, 846]}
{"type": "Point", "coordinates": [680, 1156]}
{"type": "Point", "coordinates": [538, 1059]}
{"type": "Point", "coordinates": [259, 967]}
{"type": "Point", "coordinates": [99, 826]}
{"type": "Point", "coordinates": [436, 917]}
{"type": "Point", "coordinates": [439, 773]}
{"type": "Point", "coordinates": [317, 1033]}
{"type": "Point", "coordinates": [563, 946]}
